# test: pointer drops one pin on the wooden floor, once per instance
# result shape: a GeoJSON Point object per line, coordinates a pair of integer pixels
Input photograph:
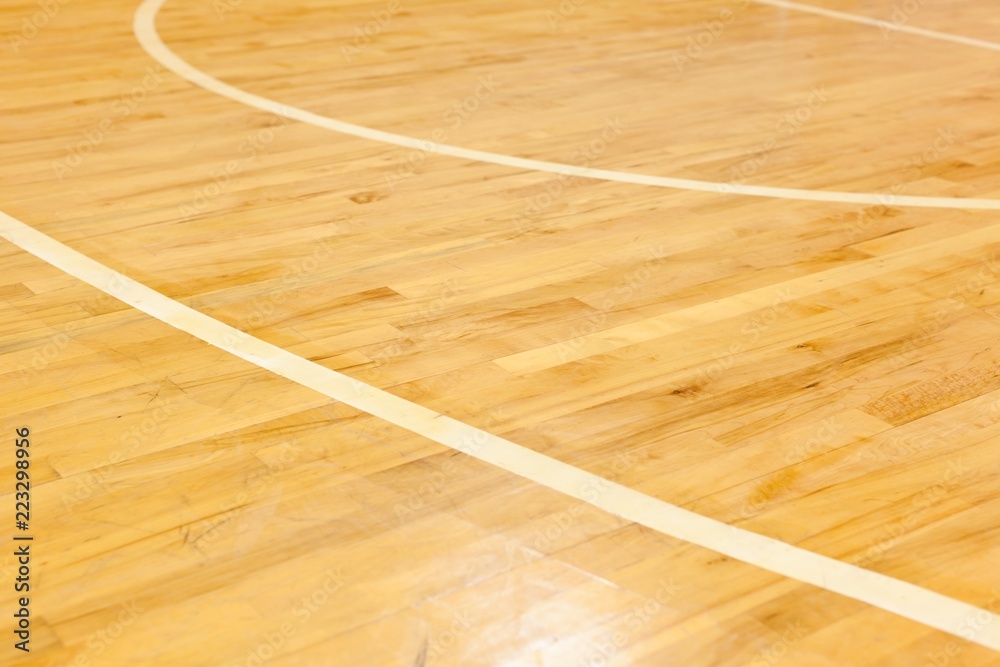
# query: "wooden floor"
{"type": "Point", "coordinates": [822, 373]}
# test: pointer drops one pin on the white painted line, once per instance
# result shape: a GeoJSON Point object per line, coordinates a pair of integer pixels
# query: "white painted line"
{"type": "Point", "coordinates": [883, 25]}
{"type": "Point", "coordinates": [899, 597]}
{"type": "Point", "coordinates": [144, 26]}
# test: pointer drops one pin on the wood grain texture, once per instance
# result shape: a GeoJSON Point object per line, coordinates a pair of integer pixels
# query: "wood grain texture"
{"type": "Point", "coordinates": [823, 374]}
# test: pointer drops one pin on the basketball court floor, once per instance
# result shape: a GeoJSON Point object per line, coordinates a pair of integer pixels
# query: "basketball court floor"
{"type": "Point", "coordinates": [559, 333]}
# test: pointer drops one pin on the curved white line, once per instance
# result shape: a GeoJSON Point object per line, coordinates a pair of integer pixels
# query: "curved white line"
{"type": "Point", "coordinates": [899, 597]}
{"type": "Point", "coordinates": [883, 25]}
{"type": "Point", "coordinates": [144, 27]}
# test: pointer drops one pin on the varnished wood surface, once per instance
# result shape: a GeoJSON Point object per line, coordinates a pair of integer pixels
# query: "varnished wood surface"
{"type": "Point", "coordinates": [823, 374]}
